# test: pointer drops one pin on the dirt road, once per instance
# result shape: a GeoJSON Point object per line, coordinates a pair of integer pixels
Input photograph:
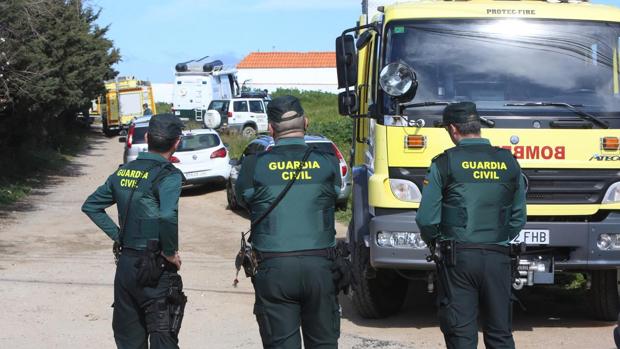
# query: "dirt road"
{"type": "Point", "coordinates": [56, 274]}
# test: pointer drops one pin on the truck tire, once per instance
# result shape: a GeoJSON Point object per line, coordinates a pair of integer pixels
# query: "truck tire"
{"type": "Point", "coordinates": [248, 131]}
{"type": "Point", "coordinates": [604, 295]}
{"type": "Point", "coordinates": [377, 297]}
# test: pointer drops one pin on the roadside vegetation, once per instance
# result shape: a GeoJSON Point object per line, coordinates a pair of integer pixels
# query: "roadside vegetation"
{"type": "Point", "coordinates": [53, 61]}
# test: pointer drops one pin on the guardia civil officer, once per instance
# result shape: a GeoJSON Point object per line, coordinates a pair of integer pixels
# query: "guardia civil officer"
{"type": "Point", "coordinates": [146, 192]}
{"type": "Point", "coordinates": [294, 285]}
{"type": "Point", "coordinates": [473, 204]}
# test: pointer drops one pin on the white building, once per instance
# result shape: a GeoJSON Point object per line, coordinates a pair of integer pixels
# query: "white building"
{"type": "Point", "coordinates": [295, 70]}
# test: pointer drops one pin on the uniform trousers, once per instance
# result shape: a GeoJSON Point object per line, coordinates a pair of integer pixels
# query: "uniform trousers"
{"type": "Point", "coordinates": [479, 284]}
{"type": "Point", "coordinates": [128, 320]}
{"type": "Point", "coordinates": [293, 292]}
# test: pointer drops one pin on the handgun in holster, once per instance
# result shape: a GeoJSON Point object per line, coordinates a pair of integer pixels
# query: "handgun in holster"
{"type": "Point", "coordinates": [447, 248]}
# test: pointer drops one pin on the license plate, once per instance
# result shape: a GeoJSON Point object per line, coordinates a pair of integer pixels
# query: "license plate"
{"type": "Point", "coordinates": [196, 174]}
{"type": "Point", "coordinates": [533, 237]}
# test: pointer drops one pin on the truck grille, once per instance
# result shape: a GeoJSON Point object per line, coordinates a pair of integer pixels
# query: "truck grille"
{"type": "Point", "coordinates": [565, 186]}
{"type": "Point", "coordinates": [546, 186]}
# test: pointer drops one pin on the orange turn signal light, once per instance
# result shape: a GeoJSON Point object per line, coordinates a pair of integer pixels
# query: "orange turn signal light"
{"type": "Point", "coordinates": [610, 143]}
{"type": "Point", "coordinates": [415, 142]}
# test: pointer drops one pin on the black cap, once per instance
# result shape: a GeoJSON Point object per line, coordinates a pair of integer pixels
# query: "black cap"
{"type": "Point", "coordinates": [284, 108]}
{"type": "Point", "coordinates": [460, 113]}
{"type": "Point", "coordinates": [165, 125]}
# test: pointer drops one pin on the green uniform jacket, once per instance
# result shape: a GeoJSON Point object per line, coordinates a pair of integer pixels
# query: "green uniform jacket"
{"type": "Point", "coordinates": [304, 219]}
{"type": "Point", "coordinates": [430, 217]}
{"type": "Point", "coordinates": [153, 213]}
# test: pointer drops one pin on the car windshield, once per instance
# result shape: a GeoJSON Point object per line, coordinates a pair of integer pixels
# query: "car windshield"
{"type": "Point", "coordinates": [138, 135]}
{"type": "Point", "coordinates": [191, 142]}
{"type": "Point", "coordinates": [496, 62]}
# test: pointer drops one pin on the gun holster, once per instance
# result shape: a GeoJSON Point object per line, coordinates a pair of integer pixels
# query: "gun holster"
{"type": "Point", "coordinates": [150, 266]}
{"type": "Point", "coordinates": [342, 271]}
{"type": "Point", "coordinates": [116, 251]}
{"type": "Point", "coordinates": [165, 314]}
{"type": "Point", "coordinates": [447, 249]}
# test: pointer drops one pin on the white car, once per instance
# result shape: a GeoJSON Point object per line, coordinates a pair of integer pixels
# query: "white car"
{"type": "Point", "coordinates": [202, 157]}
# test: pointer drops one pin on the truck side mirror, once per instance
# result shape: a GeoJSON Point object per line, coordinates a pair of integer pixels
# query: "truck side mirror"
{"type": "Point", "coordinates": [347, 103]}
{"type": "Point", "coordinates": [346, 61]}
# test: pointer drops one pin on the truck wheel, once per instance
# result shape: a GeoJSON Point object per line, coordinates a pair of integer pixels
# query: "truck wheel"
{"type": "Point", "coordinates": [233, 205]}
{"type": "Point", "coordinates": [248, 131]}
{"type": "Point", "coordinates": [377, 297]}
{"type": "Point", "coordinates": [604, 295]}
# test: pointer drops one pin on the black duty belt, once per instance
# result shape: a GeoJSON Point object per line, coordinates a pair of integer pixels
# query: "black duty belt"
{"type": "Point", "coordinates": [486, 247]}
{"type": "Point", "coordinates": [329, 253]}
{"type": "Point", "coordinates": [132, 252]}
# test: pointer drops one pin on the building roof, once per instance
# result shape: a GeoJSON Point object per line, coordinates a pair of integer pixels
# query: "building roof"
{"type": "Point", "coordinates": [257, 60]}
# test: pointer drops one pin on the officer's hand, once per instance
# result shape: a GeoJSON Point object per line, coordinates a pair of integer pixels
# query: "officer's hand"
{"type": "Point", "coordinates": [176, 260]}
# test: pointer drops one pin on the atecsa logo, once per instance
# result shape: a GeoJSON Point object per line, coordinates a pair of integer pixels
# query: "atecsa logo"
{"type": "Point", "coordinates": [597, 157]}
{"type": "Point", "coordinates": [535, 152]}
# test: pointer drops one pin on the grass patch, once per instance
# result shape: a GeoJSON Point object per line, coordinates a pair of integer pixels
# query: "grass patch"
{"type": "Point", "coordinates": [235, 144]}
{"type": "Point", "coordinates": [163, 107]}
{"type": "Point", "coordinates": [576, 281]}
{"type": "Point", "coordinates": [344, 217]}
{"type": "Point", "coordinates": [12, 192]}
{"type": "Point", "coordinates": [24, 168]}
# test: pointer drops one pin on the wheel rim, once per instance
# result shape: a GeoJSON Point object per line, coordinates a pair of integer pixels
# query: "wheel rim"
{"type": "Point", "coordinates": [248, 132]}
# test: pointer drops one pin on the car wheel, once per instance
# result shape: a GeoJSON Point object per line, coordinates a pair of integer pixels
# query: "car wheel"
{"type": "Point", "coordinates": [248, 132]}
{"type": "Point", "coordinates": [233, 205]}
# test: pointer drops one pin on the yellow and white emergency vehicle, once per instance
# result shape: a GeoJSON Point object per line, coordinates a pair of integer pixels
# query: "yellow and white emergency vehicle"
{"type": "Point", "coordinates": [123, 101]}
{"type": "Point", "coordinates": [544, 76]}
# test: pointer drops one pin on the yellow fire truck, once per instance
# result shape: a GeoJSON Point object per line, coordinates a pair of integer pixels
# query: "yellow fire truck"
{"type": "Point", "coordinates": [123, 102]}
{"type": "Point", "coordinates": [544, 75]}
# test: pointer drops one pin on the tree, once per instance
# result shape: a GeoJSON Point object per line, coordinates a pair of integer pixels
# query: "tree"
{"type": "Point", "coordinates": [53, 61]}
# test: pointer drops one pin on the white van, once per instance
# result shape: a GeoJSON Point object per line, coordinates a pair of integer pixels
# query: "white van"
{"type": "Point", "coordinates": [197, 84]}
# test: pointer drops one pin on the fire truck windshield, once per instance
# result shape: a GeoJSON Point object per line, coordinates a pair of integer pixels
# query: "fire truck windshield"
{"type": "Point", "coordinates": [502, 61]}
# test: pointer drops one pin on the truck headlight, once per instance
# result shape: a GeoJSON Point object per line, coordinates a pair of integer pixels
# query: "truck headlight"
{"type": "Point", "coordinates": [608, 242]}
{"type": "Point", "coordinates": [398, 79]}
{"type": "Point", "coordinates": [612, 195]}
{"type": "Point", "coordinates": [400, 239]}
{"type": "Point", "coordinates": [405, 190]}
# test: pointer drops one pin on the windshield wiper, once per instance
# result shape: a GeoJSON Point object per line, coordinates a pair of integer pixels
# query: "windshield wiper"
{"type": "Point", "coordinates": [404, 106]}
{"type": "Point", "coordinates": [572, 107]}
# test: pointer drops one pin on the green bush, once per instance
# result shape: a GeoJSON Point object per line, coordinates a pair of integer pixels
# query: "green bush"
{"type": "Point", "coordinates": [322, 111]}
{"type": "Point", "coordinates": [163, 107]}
